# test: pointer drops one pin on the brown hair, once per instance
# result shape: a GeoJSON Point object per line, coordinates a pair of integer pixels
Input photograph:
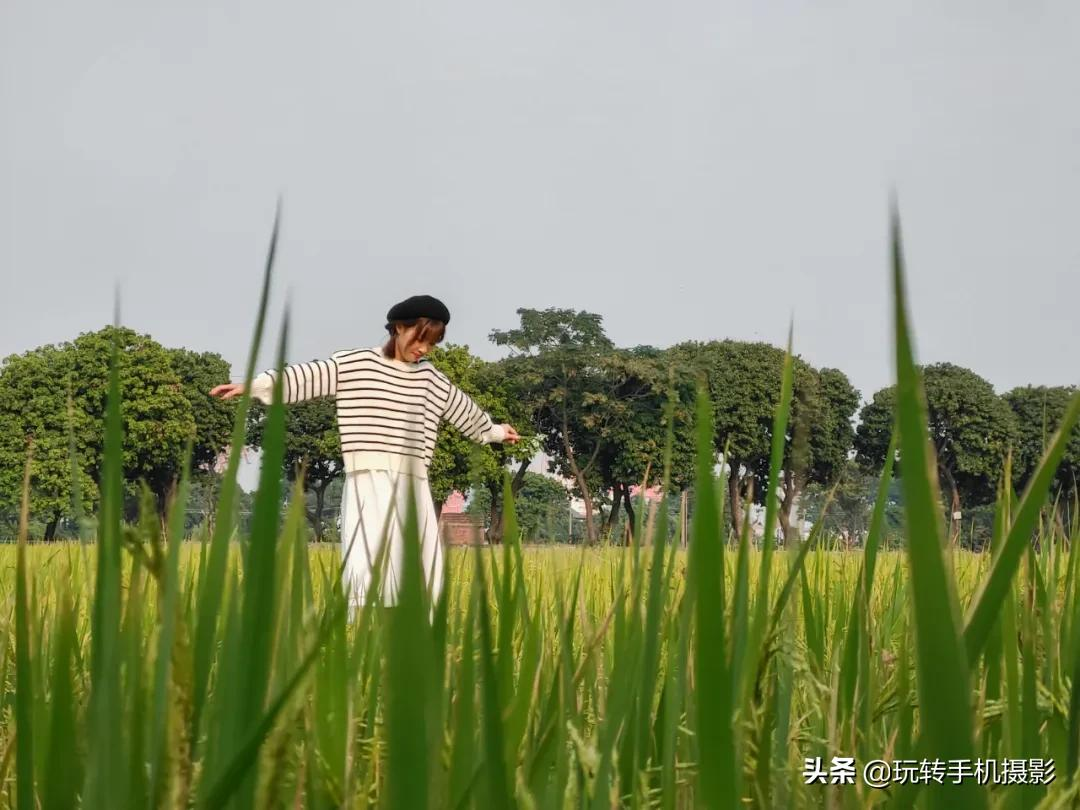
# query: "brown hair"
{"type": "Point", "coordinates": [430, 330]}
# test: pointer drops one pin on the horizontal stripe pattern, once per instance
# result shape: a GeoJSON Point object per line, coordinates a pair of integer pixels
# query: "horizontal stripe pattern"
{"type": "Point", "coordinates": [304, 381]}
{"type": "Point", "coordinates": [383, 406]}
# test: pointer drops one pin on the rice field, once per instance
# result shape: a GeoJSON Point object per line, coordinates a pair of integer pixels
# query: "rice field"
{"type": "Point", "coordinates": [225, 672]}
{"type": "Point", "coordinates": [577, 653]}
{"type": "Point", "coordinates": [329, 745]}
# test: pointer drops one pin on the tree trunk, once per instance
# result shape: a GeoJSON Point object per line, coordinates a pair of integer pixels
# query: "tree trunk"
{"type": "Point", "coordinates": [519, 477]}
{"type": "Point", "coordinates": [735, 498]}
{"type": "Point", "coordinates": [954, 521]}
{"type": "Point", "coordinates": [320, 499]}
{"type": "Point", "coordinates": [494, 519]}
{"type": "Point", "coordinates": [954, 505]}
{"type": "Point", "coordinates": [50, 528]}
{"type": "Point", "coordinates": [438, 509]}
{"type": "Point", "coordinates": [783, 516]}
{"type": "Point", "coordinates": [579, 477]}
{"type": "Point", "coordinates": [683, 518]}
{"type": "Point", "coordinates": [585, 496]}
{"type": "Point", "coordinates": [315, 518]}
{"type": "Point", "coordinates": [790, 489]}
{"type": "Point", "coordinates": [630, 518]}
{"type": "Point", "coordinates": [161, 498]}
{"type": "Point", "coordinates": [171, 502]}
{"type": "Point", "coordinates": [616, 498]}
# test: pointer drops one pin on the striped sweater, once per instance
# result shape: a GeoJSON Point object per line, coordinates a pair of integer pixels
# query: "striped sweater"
{"type": "Point", "coordinates": [388, 411]}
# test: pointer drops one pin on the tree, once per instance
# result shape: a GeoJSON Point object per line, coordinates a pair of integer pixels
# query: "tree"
{"type": "Point", "coordinates": [1039, 411]}
{"type": "Point", "coordinates": [312, 443]}
{"type": "Point", "coordinates": [34, 406]}
{"type": "Point", "coordinates": [331, 508]}
{"type": "Point", "coordinates": [34, 388]}
{"type": "Point", "coordinates": [821, 437]}
{"type": "Point", "coordinates": [744, 382]}
{"type": "Point", "coordinates": [312, 437]}
{"type": "Point", "coordinates": [457, 463]}
{"type": "Point", "coordinates": [971, 429]}
{"type": "Point", "coordinates": [557, 369]}
{"type": "Point", "coordinates": [542, 506]}
{"type": "Point", "coordinates": [156, 415]}
{"type": "Point", "coordinates": [848, 515]}
{"type": "Point", "coordinates": [198, 373]}
{"type": "Point", "coordinates": [633, 426]}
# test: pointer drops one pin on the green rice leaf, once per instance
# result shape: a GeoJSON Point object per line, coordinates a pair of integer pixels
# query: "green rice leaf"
{"type": "Point", "coordinates": [24, 684]}
{"type": "Point", "coordinates": [718, 776]}
{"type": "Point", "coordinates": [944, 694]}
{"type": "Point", "coordinates": [212, 578]}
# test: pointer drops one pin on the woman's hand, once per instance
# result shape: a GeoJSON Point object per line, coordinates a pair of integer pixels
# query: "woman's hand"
{"type": "Point", "coordinates": [512, 436]}
{"type": "Point", "coordinates": [227, 391]}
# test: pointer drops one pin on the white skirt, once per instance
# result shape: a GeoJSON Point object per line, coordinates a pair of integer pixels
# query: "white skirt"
{"type": "Point", "coordinates": [373, 512]}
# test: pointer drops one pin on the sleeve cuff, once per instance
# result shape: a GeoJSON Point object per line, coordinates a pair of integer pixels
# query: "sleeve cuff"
{"type": "Point", "coordinates": [262, 388]}
{"type": "Point", "coordinates": [497, 434]}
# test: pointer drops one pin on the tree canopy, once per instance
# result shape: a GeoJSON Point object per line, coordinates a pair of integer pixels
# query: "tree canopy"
{"type": "Point", "coordinates": [163, 407]}
{"type": "Point", "coordinates": [312, 443]}
{"type": "Point", "coordinates": [744, 381]}
{"type": "Point", "coordinates": [1039, 410]}
{"type": "Point", "coordinates": [971, 429]}
{"type": "Point", "coordinates": [597, 410]}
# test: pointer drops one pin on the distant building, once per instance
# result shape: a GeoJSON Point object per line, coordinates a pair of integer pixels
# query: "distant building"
{"type": "Point", "coordinates": [222, 460]}
{"type": "Point", "coordinates": [651, 494]}
{"type": "Point", "coordinates": [455, 504]}
{"type": "Point", "coordinates": [460, 529]}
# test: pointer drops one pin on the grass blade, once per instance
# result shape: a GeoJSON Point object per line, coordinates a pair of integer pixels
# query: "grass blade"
{"type": "Point", "coordinates": [407, 669]}
{"type": "Point", "coordinates": [498, 787]}
{"type": "Point", "coordinates": [106, 780]}
{"type": "Point", "coordinates": [169, 606]}
{"type": "Point", "coordinates": [943, 685]}
{"type": "Point", "coordinates": [986, 605]}
{"type": "Point", "coordinates": [718, 777]}
{"type": "Point", "coordinates": [212, 581]}
{"type": "Point", "coordinates": [24, 685]}
{"type": "Point", "coordinates": [258, 600]}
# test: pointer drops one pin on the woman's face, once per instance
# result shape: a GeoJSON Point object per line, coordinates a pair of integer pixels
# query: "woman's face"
{"type": "Point", "coordinates": [409, 348]}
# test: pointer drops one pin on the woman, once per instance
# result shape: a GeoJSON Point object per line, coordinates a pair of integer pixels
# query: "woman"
{"type": "Point", "coordinates": [390, 401]}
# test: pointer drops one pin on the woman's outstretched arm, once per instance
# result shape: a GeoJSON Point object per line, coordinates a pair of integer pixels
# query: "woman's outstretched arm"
{"type": "Point", "coordinates": [473, 421]}
{"type": "Point", "coordinates": [300, 382]}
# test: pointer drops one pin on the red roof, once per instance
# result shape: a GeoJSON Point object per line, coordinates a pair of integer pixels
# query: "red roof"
{"type": "Point", "coordinates": [651, 494]}
{"type": "Point", "coordinates": [454, 505]}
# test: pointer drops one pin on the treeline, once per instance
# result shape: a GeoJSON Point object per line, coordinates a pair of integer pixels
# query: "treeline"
{"type": "Point", "coordinates": [600, 412]}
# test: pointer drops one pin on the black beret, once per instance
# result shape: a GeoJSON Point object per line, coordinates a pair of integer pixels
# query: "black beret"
{"type": "Point", "coordinates": [419, 306]}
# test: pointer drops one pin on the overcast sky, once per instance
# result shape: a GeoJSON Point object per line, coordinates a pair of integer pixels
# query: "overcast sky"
{"type": "Point", "coordinates": [687, 170]}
